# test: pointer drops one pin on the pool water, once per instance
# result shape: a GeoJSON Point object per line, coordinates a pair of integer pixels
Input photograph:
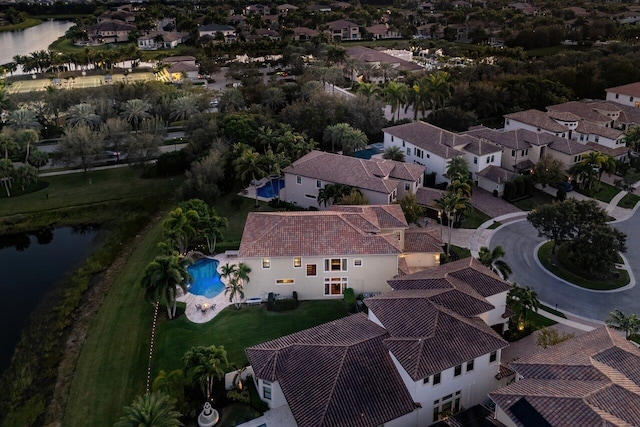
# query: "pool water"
{"type": "Point", "coordinates": [367, 153]}
{"type": "Point", "coordinates": [206, 280]}
{"type": "Point", "coordinates": [271, 189]}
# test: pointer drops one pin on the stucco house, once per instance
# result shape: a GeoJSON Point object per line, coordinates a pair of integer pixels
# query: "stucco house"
{"type": "Point", "coordinates": [227, 32]}
{"type": "Point", "coordinates": [343, 30]}
{"type": "Point", "coordinates": [626, 94]}
{"type": "Point", "coordinates": [376, 58]}
{"type": "Point", "coordinates": [304, 33]}
{"type": "Point", "coordinates": [320, 254]}
{"type": "Point", "coordinates": [428, 340]}
{"type": "Point", "coordinates": [110, 31]}
{"type": "Point", "coordinates": [589, 380]}
{"type": "Point", "coordinates": [380, 181]}
{"type": "Point", "coordinates": [154, 40]}
{"type": "Point", "coordinates": [182, 67]}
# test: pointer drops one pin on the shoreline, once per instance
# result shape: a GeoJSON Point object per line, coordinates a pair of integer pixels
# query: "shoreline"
{"type": "Point", "coordinates": [27, 23]}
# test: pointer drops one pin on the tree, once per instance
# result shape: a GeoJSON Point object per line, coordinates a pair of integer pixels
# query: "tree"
{"type": "Point", "coordinates": [250, 163]}
{"type": "Point", "coordinates": [595, 250]}
{"type": "Point", "coordinates": [452, 205]}
{"type": "Point", "coordinates": [396, 95]}
{"type": "Point", "coordinates": [150, 410]}
{"type": "Point", "coordinates": [209, 224]}
{"type": "Point", "coordinates": [80, 144]}
{"type": "Point", "coordinates": [457, 168]}
{"type": "Point", "coordinates": [333, 193]}
{"type": "Point", "coordinates": [25, 139]}
{"type": "Point", "coordinates": [162, 278]}
{"type": "Point", "coordinates": [491, 259]}
{"type": "Point", "coordinates": [180, 227]}
{"type": "Point", "coordinates": [548, 171]}
{"type": "Point", "coordinates": [632, 138]}
{"type": "Point", "coordinates": [411, 209]}
{"type": "Point", "coordinates": [26, 175]}
{"type": "Point", "coordinates": [235, 290]}
{"type": "Point", "coordinates": [368, 90]}
{"type": "Point", "coordinates": [355, 197]}
{"type": "Point", "coordinates": [231, 100]}
{"type": "Point", "coordinates": [171, 383]}
{"type": "Point", "coordinates": [619, 321]}
{"type": "Point", "coordinates": [343, 135]}
{"type": "Point", "coordinates": [6, 174]}
{"type": "Point", "coordinates": [38, 158]}
{"type": "Point", "coordinates": [524, 299]}
{"type": "Point", "coordinates": [274, 99]}
{"type": "Point", "coordinates": [23, 118]}
{"type": "Point", "coordinates": [135, 111]}
{"type": "Point", "coordinates": [393, 153]}
{"type": "Point", "coordinates": [183, 107]}
{"type": "Point", "coordinates": [228, 271]}
{"type": "Point", "coordinates": [7, 144]}
{"type": "Point", "coordinates": [142, 147]}
{"type": "Point", "coordinates": [203, 179]}
{"type": "Point", "coordinates": [548, 337]}
{"type": "Point", "coordinates": [204, 365]}
{"type": "Point", "coordinates": [83, 114]}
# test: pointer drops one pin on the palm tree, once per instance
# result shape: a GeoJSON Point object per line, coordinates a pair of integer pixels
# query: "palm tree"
{"type": "Point", "coordinates": [419, 97]}
{"type": "Point", "coordinates": [367, 70]}
{"type": "Point", "coordinates": [228, 271]}
{"type": "Point", "coordinates": [23, 118]}
{"type": "Point", "coordinates": [150, 410]}
{"type": "Point", "coordinates": [171, 383]}
{"type": "Point", "coordinates": [621, 322]}
{"type": "Point", "coordinates": [204, 365]}
{"type": "Point", "coordinates": [25, 139]}
{"type": "Point", "coordinates": [350, 67]}
{"type": "Point", "coordinates": [491, 259]}
{"type": "Point", "coordinates": [6, 174]}
{"type": "Point", "coordinates": [367, 89]}
{"type": "Point", "coordinates": [396, 95]}
{"type": "Point", "coordinates": [632, 138]}
{"type": "Point", "coordinates": [135, 111]}
{"type": "Point", "coordinates": [26, 175]}
{"type": "Point", "coordinates": [387, 70]}
{"type": "Point", "coordinates": [458, 186]}
{"type": "Point", "coordinates": [183, 107]}
{"type": "Point", "coordinates": [439, 88]}
{"type": "Point", "coordinates": [162, 278]}
{"type": "Point", "coordinates": [250, 163]}
{"type": "Point", "coordinates": [7, 144]}
{"type": "Point", "coordinates": [452, 205]}
{"type": "Point", "coordinates": [243, 273]}
{"type": "Point", "coordinates": [274, 99]}
{"type": "Point", "coordinates": [235, 290]}
{"type": "Point", "coordinates": [83, 114]}
{"type": "Point", "coordinates": [457, 168]}
{"type": "Point", "coordinates": [524, 299]}
{"type": "Point", "coordinates": [345, 136]}
{"type": "Point", "coordinates": [393, 153]}
{"type": "Point", "coordinates": [180, 227]}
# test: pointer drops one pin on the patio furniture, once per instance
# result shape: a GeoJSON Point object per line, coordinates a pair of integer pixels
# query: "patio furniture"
{"type": "Point", "coordinates": [254, 301]}
{"type": "Point", "coordinates": [198, 306]}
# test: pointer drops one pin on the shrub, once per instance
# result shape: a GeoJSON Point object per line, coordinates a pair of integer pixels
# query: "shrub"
{"type": "Point", "coordinates": [172, 163]}
{"type": "Point", "coordinates": [520, 187]}
{"type": "Point", "coordinates": [561, 195]}
{"type": "Point", "coordinates": [528, 185]}
{"type": "Point", "coordinates": [350, 300]}
{"type": "Point", "coordinates": [509, 191]}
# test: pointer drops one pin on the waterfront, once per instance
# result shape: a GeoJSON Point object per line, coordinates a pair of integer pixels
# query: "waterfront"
{"type": "Point", "coordinates": [23, 42]}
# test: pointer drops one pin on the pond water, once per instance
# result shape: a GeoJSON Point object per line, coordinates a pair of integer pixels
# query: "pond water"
{"type": "Point", "coordinates": [23, 42]}
{"type": "Point", "coordinates": [30, 265]}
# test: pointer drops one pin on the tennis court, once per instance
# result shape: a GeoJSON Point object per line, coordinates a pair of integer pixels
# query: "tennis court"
{"type": "Point", "coordinates": [41, 83]}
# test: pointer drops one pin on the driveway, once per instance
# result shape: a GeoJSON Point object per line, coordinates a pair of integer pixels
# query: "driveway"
{"type": "Point", "coordinates": [519, 240]}
{"type": "Point", "coordinates": [492, 206]}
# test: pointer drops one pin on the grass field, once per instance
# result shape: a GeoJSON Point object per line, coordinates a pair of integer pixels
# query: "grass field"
{"type": "Point", "coordinates": [629, 201]}
{"type": "Point", "coordinates": [606, 194]}
{"type": "Point", "coordinates": [29, 22]}
{"type": "Point", "coordinates": [43, 81]}
{"type": "Point", "coordinates": [539, 198]}
{"type": "Point", "coordinates": [87, 188]}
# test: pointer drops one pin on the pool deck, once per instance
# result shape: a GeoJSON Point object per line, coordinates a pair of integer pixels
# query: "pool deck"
{"type": "Point", "coordinates": [250, 191]}
{"type": "Point", "coordinates": [221, 301]}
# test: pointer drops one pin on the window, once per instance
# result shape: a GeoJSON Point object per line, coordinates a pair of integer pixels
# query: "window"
{"type": "Point", "coordinates": [493, 158]}
{"type": "Point", "coordinates": [475, 160]}
{"type": "Point", "coordinates": [335, 264]}
{"type": "Point", "coordinates": [457, 371]}
{"type": "Point", "coordinates": [297, 262]}
{"type": "Point", "coordinates": [318, 183]}
{"type": "Point", "coordinates": [597, 138]}
{"type": "Point", "coordinates": [436, 378]}
{"type": "Point", "coordinates": [285, 281]}
{"type": "Point", "coordinates": [266, 263]}
{"type": "Point", "coordinates": [488, 159]}
{"type": "Point", "coordinates": [310, 196]}
{"type": "Point", "coordinates": [445, 406]}
{"type": "Point", "coordinates": [631, 99]}
{"type": "Point", "coordinates": [513, 153]}
{"type": "Point", "coordinates": [425, 380]}
{"type": "Point", "coordinates": [524, 152]}
{"type": "Point", "coordinates": [581, 137]}
{"type": "Point", "coordinates": [428, 156]}
{"type": "Point", "coordinates": [311, 270]}
{"type": "Point", "coordinates": [408, 151]}
{"type": "Point", "coordinates": [357, 263]}
{"type": "Point", "coordinates": [266, 390]}
{"type": "Point", "coordinates": [470, 365]}
{"type": "Point", "coordinates": [334, 286]}
{"type": "Point", "coordinates": [493, 356]}
{"type": "Point", "coordinates": [407, 186]}
{"type": "Point", "coordinates": [507, 122]}
{"type": "Point", "coordinates": [398, 235]}
{"type": "Point", "coordinates": [298, 179]}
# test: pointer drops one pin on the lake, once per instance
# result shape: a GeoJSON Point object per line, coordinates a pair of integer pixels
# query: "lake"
{"type": "Point", "coordinates": [30, 265]}
{"type": "Point", "coordinates": [23, 42]}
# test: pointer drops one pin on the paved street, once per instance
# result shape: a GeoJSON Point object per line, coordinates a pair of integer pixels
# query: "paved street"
{"type": "Point", "coordinates": [519, 240]}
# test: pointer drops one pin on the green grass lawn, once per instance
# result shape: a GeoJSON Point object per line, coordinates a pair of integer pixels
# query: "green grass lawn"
{"type": "Point", "coordinates": [87, 188]}
{"type": "Point", "coordinates": [65, 45]}
{"type": "Point", "coordinates": [629, 201]}
{"type": "Point", "coordinates": [552, 311]}
{"type": "Point", "coordinates": [475, 219]}
{"type": "Point", "coordinates": [236, 208]}
{"type": "Point", "coordinates": [605, 194]}
{"type": "Point", "coordinates": [112, 366]}
{"type": "Point", "coordinates": [29, 22]}
{"type": "Point", "coordinates": [237, 330]}
{"type": "Point", "coordinates": [539, 198]}
{"type": "Point", "coordinates": [568, 272]}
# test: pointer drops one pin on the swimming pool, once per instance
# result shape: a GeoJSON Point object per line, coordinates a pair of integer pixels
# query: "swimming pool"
{"type": "Point", "coordinates": [271, 188]}
{"type": "Point", "coordinates": [369, 152]}
{"type": "Point", "coordinates": [206, 280]}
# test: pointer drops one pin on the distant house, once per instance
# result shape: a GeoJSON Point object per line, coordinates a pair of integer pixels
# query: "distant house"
{"type": "Point", "coordinates": [383, 31]}
{"type": "Point", "coordinates": [320, 254]}
{"type": "Point", "coordinates": [432, 340]}
{"type": "Point", "coordinates": [181, 68]}
{"type": "Point", "coordinates": [343, 30]}
{"type": "Point", "coordinates": [625, 94]}
{"type": "Point", "coordinates": [284, 9]}
{"type": "Point", "coordinates": [257, 9]}
{"type": "Point", "coordinates": [376, 58]}
{"type": "Point", "coordinates": [380, 181]}
{"type": "Point", "coordinates": [226, 32]}
{"type": "Point", "coordinates": [161, 40]}
{"type": "Point", "coordinates": [121, 15]}
{"type": "Point", "coordinates": [303, 33]}
{"type": "Point", "coordinates": [110, 32]}
{"type": "Point", "coordinates": [589, 380]}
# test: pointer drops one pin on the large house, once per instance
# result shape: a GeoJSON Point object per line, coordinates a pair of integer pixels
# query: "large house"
{"type": "Point", "coordinates": [320, 254]}
{"type": "Point", "coordinates": [376, 58]}
{"type": "Point", "coordinates": [380, 181]}
{"type": "Point", "coordinates": [154, 40]}
{"type": "Point", "coordinates": [225, 32]}
{"type": "Point", "coordinates": [110, 32]}
{"type": "Point", "coordinates": [425, 350]}
{"type": "Point", "coordinates": [590, 380]}
{"type": "Point", "coordinates": [343, 30]}
{"type": "Point", "coordinates": [628, 95]}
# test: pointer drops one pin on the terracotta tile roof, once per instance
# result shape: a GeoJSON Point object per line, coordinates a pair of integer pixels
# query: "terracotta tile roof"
{"type": "Point", "coordinates": [510, 139]}
{"type": "Point", "coordinates": [569, 146]}
{"type": "Point", "coordinates": [564, 116]}
{"type": "Point", "coordinates": [613, 152]}
{"type": "Point", "coordinates": [401, 170]}
{"type": "Point", "coordinates": [274, 234]}
{"type": "Point", "coordinates": [381, 216]}
{"type": "Point", "coordinates": [336, 374]}
{"type": "Point", "coordinates": [628, 114]}
{"type": "Point", "coordinates": [309, 32]}
{"type": "Point", "coordinates": [340, 24]}
{"type": "Point", "coordinates": [575, 110]}
{"type": "Point", "coordinates": [497, 174]}
{"type": "Point", "coordinates": [468, 271]}
{"type": "Point", "coordinates": [481, 146]}
{"type": "Point", "coordinates": [366, 174]}
{"type": "Point", "coordinates": [365, 54]}
{"type": "Point", "coordinates": [595, 129]}
{"type": "Point", "coordinates": [426, 196]}
{"type": "Point", "coordinates": [590, 380]}
{"type": "Point", "coordinates": [421, 240]}
{"type": "Point", "coordinates": [538, 119]}
{"type": "Point", "coordinates": [632, 89]}
{"type": "Point", "coordinates": [431, 138]}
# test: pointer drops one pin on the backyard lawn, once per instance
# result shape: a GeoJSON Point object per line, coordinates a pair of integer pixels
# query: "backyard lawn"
{"type": "Point", "coordinates": [236, 330]}
{"type": "Point", "coordinates": [605, 194]}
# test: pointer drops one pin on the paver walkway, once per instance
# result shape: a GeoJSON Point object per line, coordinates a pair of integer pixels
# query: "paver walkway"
{"type": "Point", "coordinates": [490, 205]}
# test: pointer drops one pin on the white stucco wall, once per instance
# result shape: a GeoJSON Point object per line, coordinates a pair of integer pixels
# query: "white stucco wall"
{"type": "Point", "coordinates": [422, 260]}
{"type": "Point", "coordinates": [511, 124]}
{"type": "Point", "coordinates": [372, 276]}
{"type": "Point", "coordinates": [623, 99]}
{"type": "Point", "coordinates": [499, 301]}
{"type": "Point", "coordinates": [277, 397]}
{"type": "Point", "coordinates": [489, 185]}
{"type": "Point", "coordinates": [431, 162]}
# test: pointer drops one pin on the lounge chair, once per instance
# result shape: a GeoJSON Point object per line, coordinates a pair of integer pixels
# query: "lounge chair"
{"type": "Point", "coordinates": [213, 307]}
{"type": "Point", "coordinates": [198, 306]}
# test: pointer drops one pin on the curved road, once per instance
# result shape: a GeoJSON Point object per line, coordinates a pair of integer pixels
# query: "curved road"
{"type": "Point", "coordinates": [519, 240]}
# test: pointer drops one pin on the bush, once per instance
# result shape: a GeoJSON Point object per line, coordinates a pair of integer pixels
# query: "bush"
{"type": "Point", "coordinates": [172, 163]}
{"type": "Point", "coordinates": [561, 195]}
{"type": "Point", "coordinates": [528, 185]}
{"type": "Point", "coordinates": [509, 191]}
{"type": "Point", "coordinates": [349, 300]}
{"type": "Point", "coordinates": [520, 186]}
{"type": "Point", "coordinates": [256, 403]}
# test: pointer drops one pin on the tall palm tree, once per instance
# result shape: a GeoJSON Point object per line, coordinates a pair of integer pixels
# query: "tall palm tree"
{"type": "Point", "coordinates": [387, 70]}
{"type": "Point", "coordinates": [180, 227]}
{"type": "Point", "coordinates": [235, 290]}
{"type": "Point", "coordinates": [6, 174]}
{"type": "Point", "coordinates": [419, 97]}
{"type": "Point", "coordinates": [183, 107]}
{"type": "Point", "coordinates": [367, 70]}
{"type": "Point", "coordinates": [394, 153]}
{"type": "Point", "coordinates": [7, 144]}
{"type": "Point", "coordinates": [83, 114]}
{"type": "Point", "coordinates": [23, 118]}
{"type": "Point", "coordinates": [274, 99]}
{"type": "Point", "coordinates": [396, 95]}
{"type": "Point", "coordinates": [368, 89]}
{"type": "Point", "coordinates": [343, 135]}
{"type": "Point", "coordinates": [171, 383]}
{"type": "Point", "coordinates": [243, 273]}
{"type": "Point", "coordinates": [452, 205]}
{"type": "Point", "coordinates": [439, 88]}
{"type": "Point", "coordinates": [351, 65]}
{"type": "Point", "coordinates": [630, 325]}
{"type": "Point", "coordinates": [25, 139]}
{"type": "Point", "coordinates": [250, 163]}
{"type": "Point", "coordinates": [162, 278]}
{"type": "Point", "coordinates": [525, 299]}
{"type": "Point", "coordinates": [458, 186]}
{"type": "Point", "coordinates": [135, 111]}
{"type": "Point", "coordinates": [204, 365]}
{"type": "Point", "coordinates": [457, 168]}
{"type": "Point", "coordinates": [150, 410]}
{"type": "Point", "coordinates": [491, 259]}
{"type": "Point", "coordinates": [228, 271]}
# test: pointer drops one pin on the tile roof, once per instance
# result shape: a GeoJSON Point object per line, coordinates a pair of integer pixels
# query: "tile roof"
{"type": "Point", "coordinates": [590, 380]}
{"type": "Point", "coordinates": [274, 234]}
{"type": "Point", "coordinates": [595, 129]}
{"type": "Point", "coordinates": [336, 374]}
{"type": "Point", "coordinates": [426, 196]}
{"type": "Point", "coordinates": [378, 176]}
{"type": "Point", "coordinates": [575, 110]}
{"type": "Point", "coordinates": [538, 119]}
{"type": "Point", "coordinates": [628, 114]}
{"type": "Point", "coordinates": [481, 146]}
{"type": "Point", "coordinates": [341, 24]}
{"type": "Point", "coordinates": [421, 240]}
{"type": "Point", "coordinates": [431, 138]}
{"type": "Point", "coordinates": [510, 139]}
{"type": "Point", "coordinates": [569, 146]}
{"type": "Point", "coordinates": [632, 89]}
{"type": "Point", "coordinates": [382, 216]}
{"type": "Point", "coordinates": [365, 54]}
{"type": "Point", "coordinates": [613, 152]}
{"type": "Point", "coordinates": [497, 174]}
